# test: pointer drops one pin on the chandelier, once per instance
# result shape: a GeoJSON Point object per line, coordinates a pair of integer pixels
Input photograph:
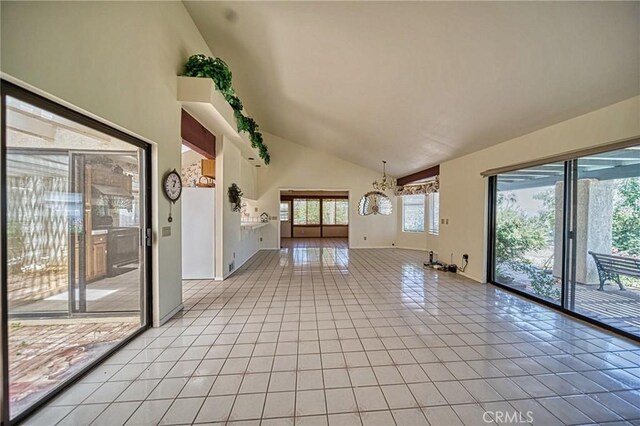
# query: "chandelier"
{"type": "Point", "coordinates": [385, 183]}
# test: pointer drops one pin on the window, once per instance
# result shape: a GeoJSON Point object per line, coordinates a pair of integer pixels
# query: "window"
{"type": "Point", "coordinates": [335, 212]}
{"type": "Point", "coordinates": [306, 211]}
{"type": "Point", "coordinates": [413, 213]}
{"type": "Point", "coordinates": [284, 211]}
{"type": "Point", "coordinates": [434, 213]}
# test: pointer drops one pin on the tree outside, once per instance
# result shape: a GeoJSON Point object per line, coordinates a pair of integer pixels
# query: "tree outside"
{"type": "Point", "coordinates": [525, 224]}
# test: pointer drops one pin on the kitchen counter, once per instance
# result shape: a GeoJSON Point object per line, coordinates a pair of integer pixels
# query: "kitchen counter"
{"type": "Point", "coordinates": [252, 225]}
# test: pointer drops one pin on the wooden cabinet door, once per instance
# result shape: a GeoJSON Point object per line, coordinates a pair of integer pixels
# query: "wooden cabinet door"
{"type": "Point", "coordinates": [99, 260]}
{"type": "Point", "coordinates": [89, 261]}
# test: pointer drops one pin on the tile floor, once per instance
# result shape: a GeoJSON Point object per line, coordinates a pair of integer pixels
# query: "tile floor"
{"type": "Point", "coordinates": [328, 335]}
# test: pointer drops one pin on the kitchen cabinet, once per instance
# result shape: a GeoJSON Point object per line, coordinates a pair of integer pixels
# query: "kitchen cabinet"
{"type": "Point", "coordinates": [97, 258]}
{"type": "Point", "coordinates": [107, 246]}
{"type": "Point", "coordinates": [208, 166]}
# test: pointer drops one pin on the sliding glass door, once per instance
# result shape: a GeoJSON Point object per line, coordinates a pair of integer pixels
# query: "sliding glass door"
{"type": "Point", "coordinates": [528, 243]}
{"type": "Point", "coordinates": [76, 268]}
{"type": "Point", "coordinates": [568, 233]}
{"type": "Point", "coordinates": [604, 281]}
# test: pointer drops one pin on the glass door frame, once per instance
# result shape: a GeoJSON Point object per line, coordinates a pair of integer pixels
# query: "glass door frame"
{"type": "Point", "coordinates": [569, 235]}
{"type": "Point", "coordinates": [10, 89]}
{"type": "Point", "coordinates": [78, 304]}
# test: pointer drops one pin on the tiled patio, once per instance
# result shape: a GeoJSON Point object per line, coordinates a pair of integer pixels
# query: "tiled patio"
{"type": "Point", "coordinates": [617, 308]}
{"type": "Point", "coordinates": [44, 350]}
{"type": "Point", "coordinates": [348, 337]}
{"type": "Point", "coordinates": [119, 293]}
{"type": "Point", "coordinates": [44, 353]}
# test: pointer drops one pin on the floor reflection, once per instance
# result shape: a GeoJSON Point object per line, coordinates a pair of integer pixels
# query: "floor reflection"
{"type": "Point", "coordinates": [330, 253]}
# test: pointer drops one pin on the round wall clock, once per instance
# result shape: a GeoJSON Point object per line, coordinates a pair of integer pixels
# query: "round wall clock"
{"type": "Point", "coordinates": [172, 186]}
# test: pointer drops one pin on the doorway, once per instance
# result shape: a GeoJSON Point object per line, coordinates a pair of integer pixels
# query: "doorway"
{"type": "Point", "coordinates": [314, 215]}
{"type": "Point", "coordinates": [286, 228]}
{"type": "Point", "coordinates": [76, 253]}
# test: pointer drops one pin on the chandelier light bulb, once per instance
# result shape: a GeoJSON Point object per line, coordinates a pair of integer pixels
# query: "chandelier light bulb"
{"type": "Point", "coordinates": [385, 183]}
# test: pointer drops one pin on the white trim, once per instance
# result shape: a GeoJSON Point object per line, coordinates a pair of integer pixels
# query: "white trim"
{"type": "Point", "coordinates": [167, 317]}
{"type": "Point", "coordinates": [471, 277]}
{"type": "Point", "coordinates": [371, 247]}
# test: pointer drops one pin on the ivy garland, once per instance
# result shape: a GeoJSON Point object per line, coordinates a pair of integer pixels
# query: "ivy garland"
{"type": "Point", "coordinates": [217, 70]}
{"type": "Point", "coordinates": [235, 197]}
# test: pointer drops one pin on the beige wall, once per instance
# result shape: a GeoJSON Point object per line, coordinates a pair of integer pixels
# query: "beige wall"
{"type": "Point", "coordinates": [463, 192]}
{"type": "Point", "coordinates": [297, 167]}
{"type": "Point", "coordinates": [236, 245]}
{"type": "Point", "coordinates": [119, 62]}
{"type": "Point", "coordinates": [416, 240]}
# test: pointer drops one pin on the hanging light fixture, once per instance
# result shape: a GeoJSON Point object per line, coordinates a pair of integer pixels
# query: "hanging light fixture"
{"type": "Point", "coordinates": [385, 183]}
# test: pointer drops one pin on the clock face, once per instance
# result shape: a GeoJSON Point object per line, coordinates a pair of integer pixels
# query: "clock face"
{"type": "Point", "coordinates": [173, 186]}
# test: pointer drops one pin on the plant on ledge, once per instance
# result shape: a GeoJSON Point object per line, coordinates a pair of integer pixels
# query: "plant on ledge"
{"type": "Point", "coordinates": [235, 197]}
{"type": "Point", "coordinates": [217, 70]}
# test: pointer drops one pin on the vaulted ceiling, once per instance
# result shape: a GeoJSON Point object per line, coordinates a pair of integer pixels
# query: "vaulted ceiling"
{"type": "Point", "coordinates": [417, 83]}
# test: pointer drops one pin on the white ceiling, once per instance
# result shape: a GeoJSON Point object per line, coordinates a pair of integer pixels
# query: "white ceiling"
{"type": "Point", "coordinates": [417, 83]}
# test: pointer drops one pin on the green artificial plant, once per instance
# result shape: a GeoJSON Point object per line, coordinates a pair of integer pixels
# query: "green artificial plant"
{"type": "Point", "coordinates": [217, 70]}
{"type": "Point", "coordinates": [235, 197]}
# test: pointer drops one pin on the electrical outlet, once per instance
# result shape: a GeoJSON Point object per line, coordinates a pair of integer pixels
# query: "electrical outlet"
{"type": "Point", "coordinates": [465, 257]}
{"type": "Point", "coordinates": [166, 231]}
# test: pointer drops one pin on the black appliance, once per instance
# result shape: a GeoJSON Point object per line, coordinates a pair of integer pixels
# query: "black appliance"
{"type": "Point", "coordinates": [123, 250]}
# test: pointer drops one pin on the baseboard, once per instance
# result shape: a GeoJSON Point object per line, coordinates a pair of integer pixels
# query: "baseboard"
{"type": "Point", "coordinates": [228, 274]}
{"type": "Point", "coordinates": [470, 277]}
{"type": "Point", "coordinates": [199, 279]}
{"type": "Point", "coordinates": [412, 248]}
{"type": "Point", "coordinates": [167, 317]}
{"type": "Point", "coordinates": [372, 247]}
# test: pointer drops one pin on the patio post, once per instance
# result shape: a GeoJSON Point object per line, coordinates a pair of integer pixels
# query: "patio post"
{"type": "Point", "coordinates": [593, 228]}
